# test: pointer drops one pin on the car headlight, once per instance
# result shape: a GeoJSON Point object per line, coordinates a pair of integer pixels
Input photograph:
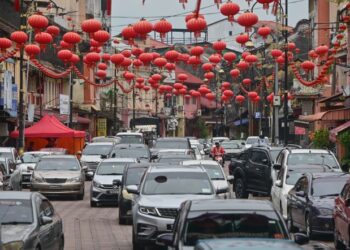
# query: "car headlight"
{"type": "Point", "coordinates": [148, 210]}
{"type": "Point", "coordinates": [324, 211]}
{"type": "Point", "coordinates": [38, 179]}
{"type": "Point", "coordinates": [75, 179]}
{"type": "Point", "coordinates": [126, 195]}
{"type": "Point", "coordinates": [96, 184]}
{"type": "Point", "coordinates": [14, 245]}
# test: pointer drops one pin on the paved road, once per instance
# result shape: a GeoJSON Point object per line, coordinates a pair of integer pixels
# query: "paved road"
{"type": "Point", "coordinates": [87, 228]}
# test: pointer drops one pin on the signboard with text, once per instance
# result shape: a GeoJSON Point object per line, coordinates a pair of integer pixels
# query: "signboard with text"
{"type": "Point", "coordinates": [101, 127]}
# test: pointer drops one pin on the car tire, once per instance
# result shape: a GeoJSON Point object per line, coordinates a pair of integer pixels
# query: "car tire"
{"type": "Point", "coordinates": [93, 203]}
{"type": "Point", "coordinates": [290, 225]}
{"type": "Point", "coordinates": [121, 220]}
{"type": "Point", "coordinates": [135, 244]}
{"type": "Point", "coordinates": [240, 189]}
{"type": "Point", "coordinates": [308, 228]}
{"type": "Point", "coordinates": [81, 196]}
{"type": "Point", "coordinates": [61, 245]}
{"type": "Point", "coordinates": [338, 244]}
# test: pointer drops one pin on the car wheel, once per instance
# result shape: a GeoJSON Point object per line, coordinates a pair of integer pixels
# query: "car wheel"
{"type": "Point", "coordinates": [338, 244]}
{"type": "Point", "coordinates": [122, 221]}
{"type": "Point", "coordinates": [61, 246]}
{"type": "Point", "coordinates": [240, 189]}
{"type": "Point", "coordinates": [81, 195]}
{"type": "Point", "coordinates": [308, 226]}
{"type": "Point", "coordinates": [291, 227]}
{"type": "Point", "coordinates": [136, 245]}
{"type": "Point", "coordinates": [93, 203]}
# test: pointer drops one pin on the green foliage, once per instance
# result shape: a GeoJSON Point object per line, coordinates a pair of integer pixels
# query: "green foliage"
{"type": "Point", "coordinates": [321, 139]}
{"type": "Point", "coordinates": [344, 139]}
{"type": "Point", "coordinates": [202, 129]}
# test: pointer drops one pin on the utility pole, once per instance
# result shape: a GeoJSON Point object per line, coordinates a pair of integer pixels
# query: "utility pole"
{"type": "Point", "coordinates": [115, 108]}
{"type": "Point", "coordinates": [70, 100]}
{"type": "Point", "coordinates": [334, 74]}
{"type": "Point", "coordinates": [285, 94]}
{"type": "Point", "coordinates": [21, 118]}
{"type": "Point", "coordinates": [133, 106]}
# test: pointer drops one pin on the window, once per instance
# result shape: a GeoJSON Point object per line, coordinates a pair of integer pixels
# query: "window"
{"type": "Point", "coordinates": [194, 100]}
{"type": "Point", "coordinates": [302, 185]}
{"type": "Point", "coordinates": [187, 101]}
{"type": "Point", "coordinates": [280, 158]}
{"type": "Point", "coordinates": [230, 33]}
{"type": "Point", "coordinates": [258, 156]}
{"type": "Point", "coordinates": [280, 174]}
{"type": "Point", "coordinates": [46, 209]}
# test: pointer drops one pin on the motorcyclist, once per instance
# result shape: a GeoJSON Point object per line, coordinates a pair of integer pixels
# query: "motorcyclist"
{"type": "Point", "coordinates": [217, 151]}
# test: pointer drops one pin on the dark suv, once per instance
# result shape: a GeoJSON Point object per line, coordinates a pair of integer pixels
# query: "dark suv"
{"type": "Point", "coordinates": [252, 171]}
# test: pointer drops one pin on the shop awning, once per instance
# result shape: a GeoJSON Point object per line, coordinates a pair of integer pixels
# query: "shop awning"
{"type": "Point", "coordinates": [334, 132]}
{"type": "Point", "coordinates": [311, 118]}
{"type": "Point", "coordinates": [331, 115]}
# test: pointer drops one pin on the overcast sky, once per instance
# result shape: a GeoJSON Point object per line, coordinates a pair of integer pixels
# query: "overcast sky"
{"type": "Point", "coordinates": [126, 12]}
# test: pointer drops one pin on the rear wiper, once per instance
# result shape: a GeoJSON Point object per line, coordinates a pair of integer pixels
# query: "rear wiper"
{"type": "Point", "coordinates": [217, 179]}
{"type": "Point", "coordinates": [14, 223]}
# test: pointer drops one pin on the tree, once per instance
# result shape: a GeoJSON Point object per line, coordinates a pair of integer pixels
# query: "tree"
{"type": "Point", "coordinates": [321, 139]}
{"type": "Point", "coordinates": [203, 131]}
{"type": "Point", "coordinates": [344, 139]}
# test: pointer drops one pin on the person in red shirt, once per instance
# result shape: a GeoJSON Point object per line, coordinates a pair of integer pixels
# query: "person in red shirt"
{"type": "Point", "coordinates": [217, 150]}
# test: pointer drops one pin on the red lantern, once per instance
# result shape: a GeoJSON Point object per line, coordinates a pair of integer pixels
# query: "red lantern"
{"type": "Point", "coordinates": [92, 57]}
{"type": "Point", "coordinates": [307, 66]}
{"type": "Point", "coordinates": [312, 54]}
{"type": "Point", "coordinates": [251, 59]}
{"type": "Point", "coordinates": [31, 49]}
{"type": "Point", "coordinates": [194, 61]}
{"type": "Point", "coordinates": [182, 77]}
{"type": "Point", "coordinates": [182, 91]}
{"type": "Point", "coordinates": [195, 94]}
{"type": "Point", "coordinates": [280, 60]}
{"type": "Point", "coordinates": [53, 30]}
{"type": "Point", "coordinates": [162, 27]}
{"type": "Point", "coordinates": [38, 22]}
{"type": "Point", "coordinates": [197, 51]}
{"type": "Point", "coordinates": [126, 53]}
{"type": "Point", "coordinates": [209, 75]}
{"type": "Point", "coordinates": [171, 55]}
{"type": "Point", "coordinates": [226, 85]}
{"type": "Point", "coordinates": [235, 73]}
{"type": "Point", "coordinates": [101, 36]}
{"type": "Point", "coordinates": [214, 59]}
{"type": "Point", "coordinates": [247, 81]}
{"type": "Point", "coordinates": [252, 95]}
{"type": "Point", "coordinates": [102, 66]}
{"type": "Point", "coordinates": [146, 58]}
{"type": "Point", "coordinates": [291, 46]}
{"type": "Point", "coordinates": [207, 67]}
{"type": "Point", "coordinates": [5, 43]}
{"type": "Point", "coordinates": [228, 93]}
{"type": "Point", "coordinates": [342, 27]}
{"type": "Point", "coordinates": [264, 31]}
{"type": "Point", "coordinates": [229, 9]}
{"type": "Point", "coordinates": [136, 51]}
{"type": "Point", "coordinates": [219, 46]}
{"type": "Point", "coordinates": [276, 53]}
{"type": "Point", "coordinates": [129, 34]}
{"type": "Point", "coordinates": [117, 59]}
{"type": "Point", "coordinates": [19, 37]}
{"type": "Point", "coordinates": [170, 66]}
{"type": "Point", "coordinates": [230, 57]}
{"type": "Point", "coordinates": [43, 39]}
{"type": "Point", "coordinates": [224, 98]}
{"type": "Point", "coordinates": [91, 26]}
{"type": "Point", "coordinates": [74, 59]}
{"type": "Point", "coordinates": [101, 74]}
{"type": "Point", "coordinates": [64, 55]}
{"type": "Point", "coordinates": [242, 65]}
{"type": "Point", "coordinates": [106, 57]}
{"type": "Point", "coordinates": [178, 85]}
{"type": "Point", "coordinates": [140, 80]}
{"type": "Point", "coordinates": [265, 3]}
{"type": "Point", "coordinates": [192, 15]}
{"type": "Point", "coordinates": [146, 88]}
{"type": "Point", "coordinates": [187, 97]}
{"type": "Point", "coordinates": [155, 55]}
{"type": "Point", "coordinates": [210, 96]}
{"type": "Point", "coordinates": [160, 62]}
{"type": "Point", "coordinates": [143, 27]}
{"type": "Point", "coordinates": [129, 76]}
{"type": "Point", "coordinates": [71, 37]}
{"type": "Point", "coordinates": [242, 39]}
{"type": "Point", "coordinates": [321, 50]}
{"type": "Point", "coordinates": [256, 99]}
{"type": "Point", "coordinates": [269, 98]}
{"type": "Point", "coordinates": [156, 77]}
{"type": "Point", "coordinates": [196, 25]}
{"type": "Point", "coordinates": [240, 99]}
{"type": "Point", "coordinates": [203, 90]}
{"type": "Point", "coordinates": [247, 19]}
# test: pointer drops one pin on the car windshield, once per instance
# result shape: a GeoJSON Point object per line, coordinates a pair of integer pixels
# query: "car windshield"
{"type": "Point", "coordinates": [6, 155]}
{"type": "Point", "coordinates": [173, 183]}
{"type": "Point", "coordinates": [111, 168]}
{"type": "Point", "coordinates": [238, 224]}
{"type": "Point", "coordinates": [312, 159]}
{"type": "Point", "coordinates": [97, 149]}
{"type": "Point", "coordinates": [254, 140]}
{"type": "Point", "coordinates": [14, 212]}
{"type": "Point", "coordinates": [213, 171]}
{"type": "Point", "coordinates": [131, 153]}
{"type": "Point", "coordinates": [58, 164]}
{"type": "Point", "coordinates": [131, 139]}
{"type": "Point", "coordinates": [294, 174]}
{"type": "Point", "coordinates": [134, 175]}
{"type": "Point", "coordinates": [31, 158]}
{"type": "Point", "coordinates": [171, 144]}
{"type": "Point", "coordinates": [174, 160]}
{"type": "Point", "coordinates": [231, 145]}
{"type": "Point", "coordinates": [327, 186]}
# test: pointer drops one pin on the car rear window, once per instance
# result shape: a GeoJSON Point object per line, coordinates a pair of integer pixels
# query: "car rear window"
{"type": "Point", "coordinates": [172, 144]}
{"type": "Point", "coordinates": [14, 212]}
{"type": "Point", "coordinates": [97, 149]}
{"type": "Point", "coordinates": [57, 164]}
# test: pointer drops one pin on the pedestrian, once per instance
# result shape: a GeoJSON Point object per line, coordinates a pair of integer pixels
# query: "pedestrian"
{"type": "Point", "coordinates": [78, 154]}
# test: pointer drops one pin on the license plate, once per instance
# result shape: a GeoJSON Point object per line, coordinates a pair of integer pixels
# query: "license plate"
{"type": "Point", "coordinates": [113, 191]}
{"type": "Point", "coordinates": [55, 186]}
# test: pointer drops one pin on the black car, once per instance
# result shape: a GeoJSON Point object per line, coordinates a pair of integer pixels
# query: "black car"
{"type": "Point", "coordinates": [138, 151]}
{"type": "Point", "coordinates": [311, 202]}
{"type": "Point", "coordinates": [232, 218]}
{"type": "Point", "coordinates": [29, 221]}
{"type": "Point", "coordinates": [132, 176]}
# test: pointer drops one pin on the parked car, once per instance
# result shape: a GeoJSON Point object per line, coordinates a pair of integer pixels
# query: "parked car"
{"type": "Point", "coordinates": [286, 180]}
{"type": "Point", "coordinates": [215, 172]}
{"type": "Point", "coordinates": [232, 149]}
{"type": "Point", "coordinates": [94, 153]}
{"type": "Point", "coordinates": [159, 196]}
{"type": "Point", "coordinates": [10, 153]}
{"type": "Point", "coordinates": [254, 140]}
{"type": "Point", "coordinates": [229, 219]}
{"type": "Point", "coordinates": [311, 202]}
{"type": "Point", "coordinates": [252, 171]}
{"type": "Point", "coordinates": [10, 177]}
{"type": "Point", "coordinates": [131, 138]}
{"type": "Point", "coordinates": [29, 221]}
{"type": "Point", "coordinates": [132, 176]}
{"type": "Point", "coordinates": [341, 216]}
{"type": "Point", "coordinates": [58, 175]}
{"type": "Point", "coordinates": [29, 159]}
{"type": "Point", "coordinates": [137, 151]}
{"type": "Point", "coordinates": [102, 189]}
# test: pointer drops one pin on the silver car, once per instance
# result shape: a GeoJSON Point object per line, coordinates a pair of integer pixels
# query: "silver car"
{"type": "Point", "coordinates": [158, 198]}
{"type": "Point", "coordinates": [10, 177]}
{"type": "Point", "coordinates": [29, 221]}
{"type": "Point", "coordinates": [102, 189]}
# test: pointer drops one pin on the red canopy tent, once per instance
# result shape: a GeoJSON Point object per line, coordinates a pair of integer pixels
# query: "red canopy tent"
{"type": "Point", "coordinates": [51, 128]}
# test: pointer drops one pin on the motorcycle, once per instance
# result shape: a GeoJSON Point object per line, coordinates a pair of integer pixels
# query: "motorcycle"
{"type": "Point", "coordinates": [219, 159]}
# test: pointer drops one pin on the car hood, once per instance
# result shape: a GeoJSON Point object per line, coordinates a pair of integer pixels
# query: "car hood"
{"type": "Point", "coordinates": [15, 232]}
{"type": "Point", "coordinates": [89, 158]}
{"type": "Point", "coordinates": [57, 174]}
{"type": "Point", "coordinates": [324, 202]}
{"type": "Point", "coordinates": [219, 184]}
{"type": "Point", "coordinates": [107, 179]}
{"type": "Point", "coordinates": [170, 201]}
{"type": "Point", "coordinates": [24, 166]}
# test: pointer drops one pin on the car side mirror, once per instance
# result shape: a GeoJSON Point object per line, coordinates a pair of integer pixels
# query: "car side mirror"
{"type": "Point", "coordinates": [103, 156]}
{"type": "Point", "coordinates": [300, 194]}
{"type": "Point", "coordinates": [301, 239]}
{"type": "Point", "coordinates": [243, 143]}
{"type": "Point", "coordinates": [230, 178]}
{"type": "Point", "coordinates": [165, 239]}
{"type": "Point", "coordinates": [84, 168]}
{"type": "Point", "coordinates": [278, 183]}
{"type": "Point", "coordinates": [89, 174]}
{"type": "Point", "coordinates": [221, 190]}
{"type": "Point", "coordinates": [132, 189]}
{"type": "Point", "coordinates": [265, 161]}
{"type": "Point", "coordinates": [277, 166]}
{"type": "Point", "coordinates": [113, 155]}
{"type": "Point", "coordinates": [46, 220]}
{"type": "Point", "coordinates": [117, 183]}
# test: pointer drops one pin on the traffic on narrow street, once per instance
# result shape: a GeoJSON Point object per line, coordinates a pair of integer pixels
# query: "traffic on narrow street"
{"type": "Point", "coordinates": [177, 124]}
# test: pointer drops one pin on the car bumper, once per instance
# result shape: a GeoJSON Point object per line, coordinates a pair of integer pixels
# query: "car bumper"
{"type": "Point", "coordinates": [149, 227]}
{"type": "Point", "coordinates": [125, 208]}
{"type": "Point", "coordinates": [322, 224]}
{"type": "Point", "coordinates": [49, 188]}
{"type": "Point", "coordinates": [101, 195]}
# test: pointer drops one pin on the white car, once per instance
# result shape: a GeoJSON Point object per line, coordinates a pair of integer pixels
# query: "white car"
{"type": "Point", "coordinates": [131, 138]}
{"type": "Point", "coordinates": [290, 165]}
{"type": "Point", "coordinates": [216, 174]}
{"type": "Point", "coordinates": [254, 140]}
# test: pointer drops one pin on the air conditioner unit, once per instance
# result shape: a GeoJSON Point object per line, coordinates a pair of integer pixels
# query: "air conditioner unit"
{"type": "Point", "coordinates": [199, 112]}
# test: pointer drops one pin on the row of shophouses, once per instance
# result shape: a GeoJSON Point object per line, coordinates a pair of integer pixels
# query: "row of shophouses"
{"type": "Point", "coordinates": [325, 106]}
